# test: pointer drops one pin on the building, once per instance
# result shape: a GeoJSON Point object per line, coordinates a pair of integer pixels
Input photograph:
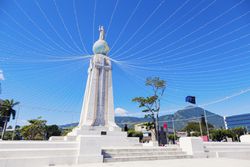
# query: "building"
{"type": "Point", "coordinates": [147, 134]}
{"type": "Point", "coordinates": [242, 120]}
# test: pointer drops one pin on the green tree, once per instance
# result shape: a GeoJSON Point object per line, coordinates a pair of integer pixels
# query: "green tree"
{"type": "Point", "coordinates": [8, 135]}
{"type": "Point", "coordinates": [151, 104]}
{"type": "Point", "coordinates": [65, 131]}
{"type": "Point", "coordinates": [53, 130]}
{"type": "Point", "coordinates": [221, 134]}
{"type": "Point", "coordinates": [239, 131]}
{"type": "Point", "coordinates": [195, 133]}
{"type": "Point", "coordinates": [173, 137]}
{"type": "Point", "coordinates": [6, 111]}
{"type": "Point", "coordinates": [16, 135]}
{"type": "Point", "coordinates": [36, 130]}
{"type": "Point", "coordinates": [133, 133]}
{"type": "Point", "coordinates": [12, 134]}
{"type": "Point", "coordinates": [194, 127]}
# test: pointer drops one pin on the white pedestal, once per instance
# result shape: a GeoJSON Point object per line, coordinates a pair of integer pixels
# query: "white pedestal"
{"type": "Point", "coordinates": [192, 146]}
{"type": "Point", "coordinates": [89, 149]}
{"type": "Point", "coordinates": [93, 139]}
{"type": "Point", "coordinates": [245, 138]}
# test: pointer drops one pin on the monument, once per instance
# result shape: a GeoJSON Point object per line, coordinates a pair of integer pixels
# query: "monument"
{"type": "Point", "coordinates": [97, 128]}
{"type": "Point", "coordinates": [98, 103]}
{"type": "Point", "coordinates": [97, 115]}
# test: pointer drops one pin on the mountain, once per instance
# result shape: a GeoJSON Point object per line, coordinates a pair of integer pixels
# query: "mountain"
{"type": "Point", "coordinates": [192, 114]}
{"type": "Point", "coordinates": [130, 121]}
{"type": "Point", "coordinates": [68, 125]}
{"type": "Point", "coordinates": [181, 118]}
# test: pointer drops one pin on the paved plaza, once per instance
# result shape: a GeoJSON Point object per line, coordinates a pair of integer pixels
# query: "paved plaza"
{"type": "Point", "coordinates": [212, 162]}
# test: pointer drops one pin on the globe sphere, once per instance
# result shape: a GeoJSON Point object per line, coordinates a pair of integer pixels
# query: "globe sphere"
{"type": "Point", "coordinates": [101, 47]}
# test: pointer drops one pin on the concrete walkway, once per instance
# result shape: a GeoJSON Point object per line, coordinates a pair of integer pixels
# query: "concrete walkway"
{"type": "Point", "coordinates": [212, 162]}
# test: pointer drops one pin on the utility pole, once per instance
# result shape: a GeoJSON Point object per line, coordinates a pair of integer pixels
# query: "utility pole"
{"type": "Point", "coordinates": [14, 131]}
{"type": "Point", "coordinates": [173, 127]}
{"type": "Point", "coordinates": [200, 127]}
{"type": "Point", "coordinates": [1, 79]}
{"type": "Point", "coordinates": [205, 115]}
{"type": "Point", "coordinates": [199, 120]}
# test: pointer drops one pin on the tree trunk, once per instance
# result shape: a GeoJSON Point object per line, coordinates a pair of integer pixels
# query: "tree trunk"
{"type": "Point", "coordinates": [157, 127]}
{"type": "Point", "coordinates": [4, 128]}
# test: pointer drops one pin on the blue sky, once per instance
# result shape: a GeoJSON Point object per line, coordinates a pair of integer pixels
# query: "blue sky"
{"type": "Point", "coordinates": [200, 47]}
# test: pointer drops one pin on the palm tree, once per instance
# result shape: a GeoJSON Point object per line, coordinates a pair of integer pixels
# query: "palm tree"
{"type": "Point", "coordinates": [6, 111]}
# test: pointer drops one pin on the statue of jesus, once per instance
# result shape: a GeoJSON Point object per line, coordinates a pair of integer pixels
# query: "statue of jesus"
{"type": "Point", "coordinates": [101, 29]}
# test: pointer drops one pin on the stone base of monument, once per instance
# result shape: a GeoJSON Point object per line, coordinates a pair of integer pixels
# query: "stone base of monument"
{"type": "Point", "coordinates": [111, 133]}
{"type": "Point", "coordinates": [83, 145]}
{"type": "Point", "coordinates": [93, 138]}
{"type": "Point", "coordinates": [98, 130]}
{"type": "Point", "coordinates": [92, 141]}
{"type": "Point", "coordinates": [37, 153]}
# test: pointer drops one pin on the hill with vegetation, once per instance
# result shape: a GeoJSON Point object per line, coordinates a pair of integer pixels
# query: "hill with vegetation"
{"type": "Point", "coordinates": [180, 117]}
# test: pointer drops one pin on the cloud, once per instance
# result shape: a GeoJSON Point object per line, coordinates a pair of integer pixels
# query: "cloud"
{"type": "Point", "coordinates": [121, 112]}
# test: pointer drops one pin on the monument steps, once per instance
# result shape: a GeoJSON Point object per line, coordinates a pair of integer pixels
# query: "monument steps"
{"type": "Point", "coordinates": [37, 153]}
{"type": "Point", "coordinates": [41, 152]}
{"type": "Point", "coordinates": [227, 149]}
{"type": "Point", "coordinates": [38, 161]}
{"type": "Point", "coordinates": [145, 153]}
{"type": "Point", "coordinates": [142, 154]}
{"type": "Point", "coordinates": [146, 158]}
{"type": "Point", "coordinates": [140, 149]}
